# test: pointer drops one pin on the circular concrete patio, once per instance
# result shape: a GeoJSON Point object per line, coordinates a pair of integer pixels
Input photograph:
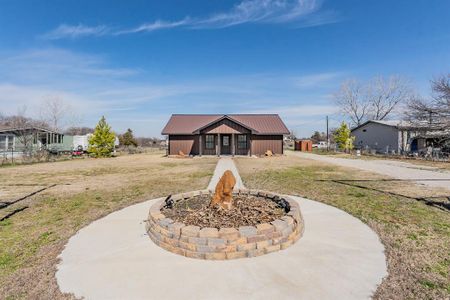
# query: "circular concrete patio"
{"type": "Point", "coordinates": [338, 257]}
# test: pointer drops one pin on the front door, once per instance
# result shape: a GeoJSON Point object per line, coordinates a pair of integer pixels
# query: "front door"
{"type": "Point", "coordinates": [225, 144]}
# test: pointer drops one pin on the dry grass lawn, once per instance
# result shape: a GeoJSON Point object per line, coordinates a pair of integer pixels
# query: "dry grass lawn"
{"type": "Point", "coordinates": [416, 236]}
{"type": "Point", "coordinates": [86, 190]}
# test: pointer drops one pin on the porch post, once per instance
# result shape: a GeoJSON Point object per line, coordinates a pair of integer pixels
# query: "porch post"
{"type": "Point", "coordinates": [218, 144]}
{"type": "Point", "coordinates": [232, 144]}
{"type": "Point", "coordinates": [250, 144]}
{"type": "Point", "coordinates": [200, 146]}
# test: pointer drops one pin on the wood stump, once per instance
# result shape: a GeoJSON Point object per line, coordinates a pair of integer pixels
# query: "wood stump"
{"type": "Point", "coordinates": [223, 195]}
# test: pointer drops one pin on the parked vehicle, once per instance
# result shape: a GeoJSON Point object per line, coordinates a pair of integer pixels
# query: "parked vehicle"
{"type": "Point", "coordinates": [320, 145]}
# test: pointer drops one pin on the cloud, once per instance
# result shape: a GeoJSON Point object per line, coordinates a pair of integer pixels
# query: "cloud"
{"type": "Point", "coordinates": [157, 25]}
{"type": "Point", "coordinates": [76, 31]}
{"type": "Point", "coordinates": [301, 13]}
{"type": "Point", "coordinates": [317, 80]}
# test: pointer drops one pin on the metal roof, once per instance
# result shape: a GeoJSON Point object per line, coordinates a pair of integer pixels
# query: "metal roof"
{"type": "Point", "coordinates": [16, 129]}
{"type": "Point", "coordinates": [392, 123]}
{"type": "Point", "coordinates": [257, 123]}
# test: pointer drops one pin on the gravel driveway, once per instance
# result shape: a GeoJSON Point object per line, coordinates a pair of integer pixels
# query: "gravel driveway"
{"type": "Point", "coordinates": [395, 169]}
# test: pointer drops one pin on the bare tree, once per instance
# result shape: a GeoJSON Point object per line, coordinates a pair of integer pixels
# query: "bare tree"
{"type": "Point", "coordinates": [385, 95]}
{"type": "Point", "coordinates": [374, 100]}
{"type": "Point", "coordinates": [433, 114]}
{"type": "Point", "coordinates": [53, 111]}
{"type": "Point", "coordinates": [352, 101]}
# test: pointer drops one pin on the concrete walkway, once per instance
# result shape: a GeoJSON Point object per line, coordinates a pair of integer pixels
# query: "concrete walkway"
{"type": "Point", "coordinates": [338, 257]}
{"type": "Point", "coordinates": [394, 169]}
{"type": "Point", "coordinates": [225, 163]}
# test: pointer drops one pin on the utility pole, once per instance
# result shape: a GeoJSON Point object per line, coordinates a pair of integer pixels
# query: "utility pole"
{"type": "Point", "coordinates": [328, 137]}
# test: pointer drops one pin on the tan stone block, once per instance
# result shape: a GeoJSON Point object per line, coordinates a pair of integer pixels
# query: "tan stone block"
{"type": "Point", "coordinates": [263, 244]}
{"type": "Point", "coordinates": [244, 247]}
{"type": "Point", "coordinates": [239, 241]}
{"type": "Point", "coordinates": [279, 225]}
{"type": "Point", "coordinates": [171, 242]}
{"type": "Point", "coordinates": [216, 242]}
{"type": "Point", "coordinates": [229, 233]}
{"type": "Point", "coordinates": [190, 231]}
{"type": "Point", "coordinates": [272, 248]}
{"type": "Point", "coordinates": [274, 235]}
{"type": "Point", "coordinates": [165, 222]}
{"type": "Point", "coordinates": [255, 252]}
{"type": "Point", "coordinates": [177, 250]}
{"type": "Point", "coordinates": [194, 254]}
{"type": "Point", "coordinates": [246, 231]}
{"type": "Point", "coordinates": [265, 228]}
{"type": "Point", "coordinates": [157, 216]}
{"type": "Point", "coordinates": [184, 239]}
{"type": "Point", "coordinates": [175, 228]}
{"type": "Point", "coordinates": [205, 248]}
{"type": "Point", "coordinates": [187, 246]}
{"type": "Point", "coordinates": [209, 232]}
{"type": "Point", "coordinates": [238, 254]}
{"type": "Point", "coordinates": [165, 232]}
{"type": "Point", "coordinates": [215, 256]}
{"type": "Point", "coordinates": [256, 238]}
{"type": "Point", "coordinates": [286, 232]}
{"type": "Point", "coordinates": [198, 240]}
{"type": "Point", "coordinates": [228, 248]}
{"type": "Point", "coordinates": [276, 241]}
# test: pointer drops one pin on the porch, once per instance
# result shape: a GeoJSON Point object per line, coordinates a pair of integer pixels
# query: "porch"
{"type": "Point", "coordinates": [224, 144]}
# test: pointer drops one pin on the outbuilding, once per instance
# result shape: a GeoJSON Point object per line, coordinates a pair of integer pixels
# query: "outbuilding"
{"type": "Point", "coordinates": [234, 134]}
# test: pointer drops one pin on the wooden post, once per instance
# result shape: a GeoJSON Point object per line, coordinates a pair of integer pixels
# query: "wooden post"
{"type": "Point", "coordinates": [201, 145]}
{"type": "Point", "coordinates": [232, 144]}
{"type": "Point", "coordinates": [249, 144]}
{"type": "Point", "coordinates": [218, 144]}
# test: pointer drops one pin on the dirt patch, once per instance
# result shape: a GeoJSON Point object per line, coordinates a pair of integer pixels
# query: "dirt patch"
{"type": "Point", "coordinates": [247, 211]}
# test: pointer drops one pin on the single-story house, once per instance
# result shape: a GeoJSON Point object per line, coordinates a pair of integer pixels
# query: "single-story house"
{"type": "Point", "coordinates": [234, 134]}
{"type": "Point", "coordinates": [19, 140]}
{"type": "Point", "coordinates": [392, 136]}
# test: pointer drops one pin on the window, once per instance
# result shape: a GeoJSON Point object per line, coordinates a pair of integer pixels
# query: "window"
{"type": "Point", "coordinates": [226, 141]}
{"type": "Point", "coordinates": [2, 142]}
{"type": "Point", "coordinates": [10, 142]}
{"type": "Point", "coordinates": [242, 141]}
{"type": "Point", "coordinates": [209, 141]}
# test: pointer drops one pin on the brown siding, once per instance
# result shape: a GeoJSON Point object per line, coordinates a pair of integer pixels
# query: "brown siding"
{"type": "Point", "coordinates": [261, 143]}
{"type": "Point", "coordinates": [189, 144]}
{"type": "Point", "coordinates": [225, 126]}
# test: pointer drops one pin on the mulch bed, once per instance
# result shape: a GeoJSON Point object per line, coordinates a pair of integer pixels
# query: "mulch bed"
{"type": "Point", "coordinates": [247, 211]}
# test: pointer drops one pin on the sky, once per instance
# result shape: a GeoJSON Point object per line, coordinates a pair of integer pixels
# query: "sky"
{"type": "Point", "coordinates": [138, 62]}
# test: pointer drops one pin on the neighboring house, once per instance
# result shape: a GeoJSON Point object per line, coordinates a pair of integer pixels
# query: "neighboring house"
{"type": "Point", "coordinates": [236, 134]}
{"type": "Point", "coordinates": [393, 137]}
{"type": "Point", "coordinates": [19, 140]}
{"type": "Point", "coordinates": [384, 136]}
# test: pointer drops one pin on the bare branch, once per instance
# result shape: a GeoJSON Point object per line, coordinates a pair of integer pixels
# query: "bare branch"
{"type": "Point", "coordinates": [352, 102]}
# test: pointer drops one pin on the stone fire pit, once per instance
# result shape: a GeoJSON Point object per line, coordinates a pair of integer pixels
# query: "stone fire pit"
{"type": "Point", "coordinates": [219, 243]}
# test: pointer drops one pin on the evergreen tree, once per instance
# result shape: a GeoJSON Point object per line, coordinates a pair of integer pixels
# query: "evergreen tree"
{"type": "Point", "coordinates": [127, 139]}
{"type": "Point", "coordinates": [343, 137]}
{"type": "Point", "coordinates": [101, 143]}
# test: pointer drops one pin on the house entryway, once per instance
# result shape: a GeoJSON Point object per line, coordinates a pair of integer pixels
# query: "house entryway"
{"type": "Point", "coordinates": [225, 144]}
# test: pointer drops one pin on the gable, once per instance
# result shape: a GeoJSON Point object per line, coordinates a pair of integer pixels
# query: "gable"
{"type": "Point", "coordinates": [225, 126]}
